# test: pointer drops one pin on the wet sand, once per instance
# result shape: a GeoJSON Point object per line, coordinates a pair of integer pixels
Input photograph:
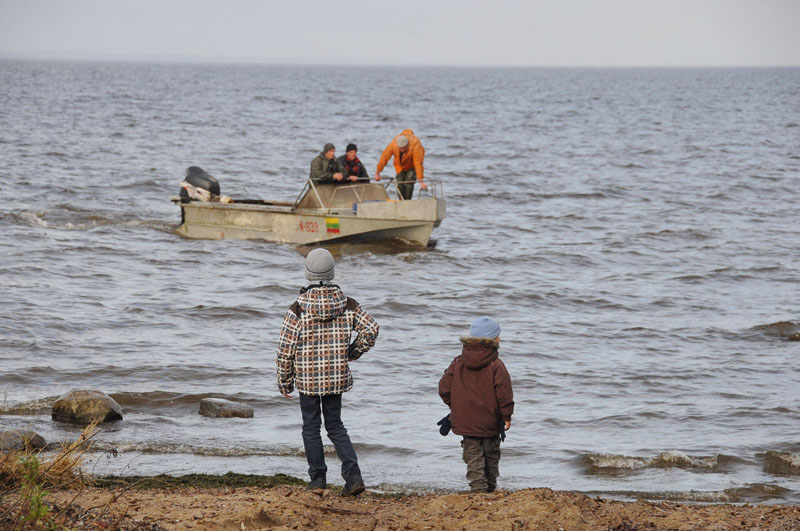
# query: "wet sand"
{"type": "Point", "coordinates": [293, 507]}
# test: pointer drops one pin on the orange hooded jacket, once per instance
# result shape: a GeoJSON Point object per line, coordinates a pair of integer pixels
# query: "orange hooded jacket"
{"type": "Point", "coordinates": [413, 158]}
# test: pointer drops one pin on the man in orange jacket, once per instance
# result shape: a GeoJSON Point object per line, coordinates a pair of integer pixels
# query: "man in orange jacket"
{"type": "Point", "coordinates": [408, 156]}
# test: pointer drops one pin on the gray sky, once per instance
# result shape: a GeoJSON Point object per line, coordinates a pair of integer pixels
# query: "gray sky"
{"type": "Point", "coordinates": [423, 32]}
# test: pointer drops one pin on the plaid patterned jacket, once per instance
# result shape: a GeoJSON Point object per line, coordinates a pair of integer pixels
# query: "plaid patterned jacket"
{"type": "Point", "coordinates": [315, 338]}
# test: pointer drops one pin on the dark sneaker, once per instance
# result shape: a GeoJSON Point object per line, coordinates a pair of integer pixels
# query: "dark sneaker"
{"type": "Point", "coordinates": [317, 483]}
{"type": "Point", "coordinates": [353, 487]}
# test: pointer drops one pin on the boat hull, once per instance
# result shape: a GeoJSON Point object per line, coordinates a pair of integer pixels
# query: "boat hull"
{"type": "Point", "coordinates": [411, 220]}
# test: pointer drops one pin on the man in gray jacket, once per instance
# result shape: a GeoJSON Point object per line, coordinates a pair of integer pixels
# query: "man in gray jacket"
{"type": "Point", "coordinates": [326, 168]}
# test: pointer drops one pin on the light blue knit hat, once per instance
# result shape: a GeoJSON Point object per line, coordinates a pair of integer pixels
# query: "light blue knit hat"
{"type": "Point", "coordinates": [484, 327]}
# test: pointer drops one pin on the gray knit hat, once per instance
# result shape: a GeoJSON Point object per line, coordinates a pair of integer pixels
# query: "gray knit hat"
{"type": "Point", "coordinates": [327, 147]}
{"type": "Point", "coordinates": [402, 141]}
{"type": "Point", "coordinates": [319, 265]}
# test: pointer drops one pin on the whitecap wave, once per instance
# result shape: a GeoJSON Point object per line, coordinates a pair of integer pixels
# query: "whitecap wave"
{"type": "Point", "coordinates": [781, 463]}
{"type": "Point", "coordinates": [213, 451]}
{"type": "Point", "coordinates": [611, 463]}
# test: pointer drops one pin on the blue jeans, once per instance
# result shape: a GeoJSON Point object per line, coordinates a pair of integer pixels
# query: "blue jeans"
{"type": "Point", "coordinates": [330, 407]}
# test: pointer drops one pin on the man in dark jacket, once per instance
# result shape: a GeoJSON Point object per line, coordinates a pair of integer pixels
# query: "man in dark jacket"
{"type": "Point", "coordinates": [326, 168]}
{"type": "Point", "coordinates": [477, 387]}
{"type": "Point", "coordinates": [313, 354]}
{"type": "Point", "coordinates": [354, 169]}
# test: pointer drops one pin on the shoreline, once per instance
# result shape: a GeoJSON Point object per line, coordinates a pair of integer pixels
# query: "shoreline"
{"type": "Point", "coordinates": [241, 501]}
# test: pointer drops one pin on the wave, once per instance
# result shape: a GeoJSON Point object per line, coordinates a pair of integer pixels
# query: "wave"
{"type": "Point", "coordinates": [753, 493]}
{"type": "Point", "coordinates": [273, 99]}
{"type": "Point", "coordinates": [650, 151]}
{"type": "Point", "coordinates": [610, 464]}
{"type": "Point", "coordinates": [150, 447]}
{"type": "Point", "coordinates": [408, 488]}
{"type": "Point", "coordinates": [773, 462]}
{"type": "Point", "coordinates": [161, 398]}
{"type": "Point", "coordinates": [784, 329]}
{"type": "Point", "coordinates": [40, 406]}
{"type": "Point", "coordinates": [26, 219]}
{"type": "Point", "coordinates": [152, 184]}
{"type": "Point", "coordinates": [116, 448]}
{"type": "Point", "coordinates": [781, 463]}
{"type": "Point", "coordinates": [688, 234]}
{"type": "Point", "coordinates": [72, 219]}
{"type": "Point", "coordinates": [222, 312]}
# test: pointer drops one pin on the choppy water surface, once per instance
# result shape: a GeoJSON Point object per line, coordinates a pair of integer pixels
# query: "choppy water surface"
{"type": "Point", "coordinates": [634, 231]}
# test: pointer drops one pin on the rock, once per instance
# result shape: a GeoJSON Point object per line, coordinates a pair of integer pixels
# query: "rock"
{"type": "Point", "coordinates": [219, 407]}
{"type": "Point", "coordinates": [83, 407]}
{"type": "Point", "coordinates": [12, 440]}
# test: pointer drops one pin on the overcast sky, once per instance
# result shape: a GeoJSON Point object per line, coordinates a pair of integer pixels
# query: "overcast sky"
{"type": "Point", "coordinates": [423, 32]}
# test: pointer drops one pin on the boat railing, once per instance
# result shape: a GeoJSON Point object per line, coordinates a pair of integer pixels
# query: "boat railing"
{"type": "Point", "coordinates": [303, 192]}
{"type": "Point", "coordinates": [435, 189]}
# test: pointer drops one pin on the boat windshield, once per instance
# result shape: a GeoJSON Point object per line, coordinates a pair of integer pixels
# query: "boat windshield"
{"type": "Point", "coordinates": [334, 196]}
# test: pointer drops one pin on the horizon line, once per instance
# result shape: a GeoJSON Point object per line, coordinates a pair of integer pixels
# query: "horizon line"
{"type": "Point", "coordinates": [194, 59]}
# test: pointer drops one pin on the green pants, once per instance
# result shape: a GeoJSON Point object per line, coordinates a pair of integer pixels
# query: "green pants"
{"type": "Point", "coordinates": [405, 183]}
{"type": "Point", "coordinates": [482, 456]}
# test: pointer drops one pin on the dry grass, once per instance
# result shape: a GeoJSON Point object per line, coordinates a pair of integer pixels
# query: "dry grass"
{"type": "Point", "coordinates": [57, 471]}
{"type": "Point", "coordinates": [25, 476]}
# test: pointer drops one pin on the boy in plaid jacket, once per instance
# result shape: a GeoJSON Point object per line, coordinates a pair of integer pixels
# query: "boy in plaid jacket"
{"type": "Point", "coordinates": [313, 354]}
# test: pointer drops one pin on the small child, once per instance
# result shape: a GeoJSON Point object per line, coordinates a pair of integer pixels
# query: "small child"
{"type": "Point", "coordinates": [477, 388]}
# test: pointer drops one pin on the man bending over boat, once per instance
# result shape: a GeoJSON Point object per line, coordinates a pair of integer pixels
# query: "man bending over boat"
{"type": "Point", "coordinates": [326, 168]}
{"type": "Point", "coordinates": [409, 156]}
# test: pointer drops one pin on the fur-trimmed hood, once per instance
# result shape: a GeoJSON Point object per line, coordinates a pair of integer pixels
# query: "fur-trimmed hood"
{"type": "Point", "coordinates": [478, 352]}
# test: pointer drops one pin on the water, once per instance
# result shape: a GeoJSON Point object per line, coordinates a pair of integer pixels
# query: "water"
{"type": "Point", "coordinates": [634, 231]}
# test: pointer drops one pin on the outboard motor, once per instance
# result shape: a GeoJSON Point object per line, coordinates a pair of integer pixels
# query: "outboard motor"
{"type": "Point", "coordinates": [198, 186]}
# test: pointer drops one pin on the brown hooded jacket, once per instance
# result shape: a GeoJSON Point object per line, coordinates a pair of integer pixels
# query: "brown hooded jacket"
{"type": "Point", "coordinates": [477, 387]}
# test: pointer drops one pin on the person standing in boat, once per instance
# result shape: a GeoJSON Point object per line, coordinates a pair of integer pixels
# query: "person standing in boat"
{"type": "Point", "coordinates": [355, 169]}
{"type": "Point", "coordinates": [326, 168]}
{"type": "Point", "coordinates": [313, 354]}
{"type": "Point", "coordinates": [409, 156]}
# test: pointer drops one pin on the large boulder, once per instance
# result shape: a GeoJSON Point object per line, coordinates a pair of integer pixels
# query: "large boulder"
{"type": "Point", "coordinates": [219, 407]}
{"type": "Point", "coordinates": [15, 440]}
{"type": "Point", "coordinates": [84, 407]}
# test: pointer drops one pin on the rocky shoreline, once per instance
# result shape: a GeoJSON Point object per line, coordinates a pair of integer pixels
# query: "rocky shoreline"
{"type": "Point", "coordinates": [242, 501]}
{"type": "Point", "coordinates": [236, 501]}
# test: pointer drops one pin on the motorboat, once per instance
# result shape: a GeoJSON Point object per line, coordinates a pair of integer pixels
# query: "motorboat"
{"type": "Point", "coordinates": [322, 212]}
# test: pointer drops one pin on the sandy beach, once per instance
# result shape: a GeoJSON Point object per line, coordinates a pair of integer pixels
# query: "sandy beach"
{"type": "Point", "coordinates": [293, 507]}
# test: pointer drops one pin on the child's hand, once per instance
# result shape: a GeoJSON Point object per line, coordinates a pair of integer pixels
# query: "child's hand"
{"type": "Point", "coordinates": [508, 424]}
